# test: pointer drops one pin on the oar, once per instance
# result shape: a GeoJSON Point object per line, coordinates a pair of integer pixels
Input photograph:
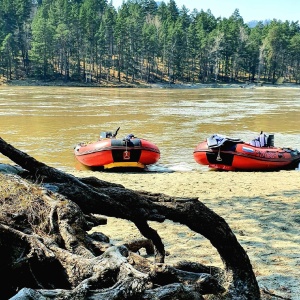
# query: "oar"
{"type": "Point", "coordinates": [115, 134]}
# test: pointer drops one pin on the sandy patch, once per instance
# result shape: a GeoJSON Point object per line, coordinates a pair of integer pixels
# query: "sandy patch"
{"type": "Point", "coordinates": [262, 209]}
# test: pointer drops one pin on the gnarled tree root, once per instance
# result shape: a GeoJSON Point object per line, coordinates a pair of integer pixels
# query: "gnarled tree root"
{"type": "Point", "coordinates": [94, 196]}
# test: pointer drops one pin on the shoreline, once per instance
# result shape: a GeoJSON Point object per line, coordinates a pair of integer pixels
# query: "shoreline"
{"type": "Point", "coordinates": [112, 84]}
{"type": "Point", "coordinates": [261, 208]}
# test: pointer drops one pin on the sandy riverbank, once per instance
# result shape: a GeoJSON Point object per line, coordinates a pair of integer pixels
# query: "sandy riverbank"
{"type": "Point", "coordinates": [262, 209]}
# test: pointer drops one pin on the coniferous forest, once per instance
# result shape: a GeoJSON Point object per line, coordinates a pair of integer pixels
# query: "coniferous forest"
{"type": "Point", "coordinates": [142, 41]}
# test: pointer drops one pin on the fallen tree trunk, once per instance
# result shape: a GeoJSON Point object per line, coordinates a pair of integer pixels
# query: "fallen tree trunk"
{"type": "Point", "coordinates": [94, 196]}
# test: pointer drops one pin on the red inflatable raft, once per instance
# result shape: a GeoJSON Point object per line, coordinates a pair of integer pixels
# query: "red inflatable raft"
{"type": "Point", "coordinates": [110, 152]}
{"type": "Point", "coordinates": [223, 153]}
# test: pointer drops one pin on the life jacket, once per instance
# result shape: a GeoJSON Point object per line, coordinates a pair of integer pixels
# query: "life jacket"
{"type": "Point", "coordinates": [260, 141]}
{"type": "Point", "coordinates": [263, 140]}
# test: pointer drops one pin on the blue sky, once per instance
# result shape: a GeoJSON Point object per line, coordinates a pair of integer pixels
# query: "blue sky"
{"type": "Point", "coordinates": [249, 9]}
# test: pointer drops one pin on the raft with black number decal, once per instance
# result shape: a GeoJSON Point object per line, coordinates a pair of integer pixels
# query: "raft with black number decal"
{"type": "Point", "coordinates": [109, 152]}
{"type": "Point", "coordinates": [231, 154]}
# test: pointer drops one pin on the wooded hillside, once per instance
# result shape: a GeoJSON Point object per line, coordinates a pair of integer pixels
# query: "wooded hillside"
{"type": "Point", "coordinates": [90, 40]}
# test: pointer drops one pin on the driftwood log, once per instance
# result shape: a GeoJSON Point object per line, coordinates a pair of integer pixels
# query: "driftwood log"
{"type": "Point", "coordinates": [51, 255]}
